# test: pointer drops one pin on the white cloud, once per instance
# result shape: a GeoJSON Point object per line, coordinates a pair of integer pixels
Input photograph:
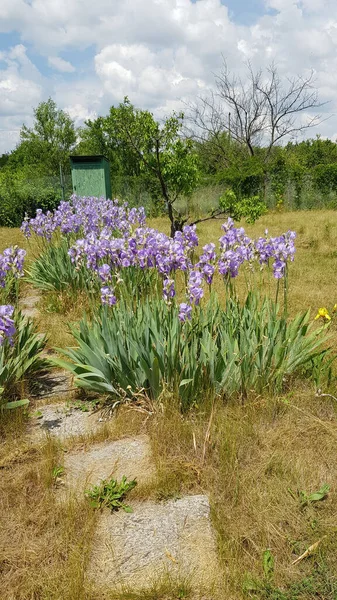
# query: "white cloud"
{"type": "Point", "coordinates": [163, 51]}
{"type": "Point", "coordinates": [60, 64]}
{"type": "Point", "coordinates": [80, 113]}
{"type": "Point", "coordinates": [20, 92]}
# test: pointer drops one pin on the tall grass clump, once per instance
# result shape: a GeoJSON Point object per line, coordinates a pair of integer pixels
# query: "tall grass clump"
{"type": "Point", "coordinates": [53, 271]}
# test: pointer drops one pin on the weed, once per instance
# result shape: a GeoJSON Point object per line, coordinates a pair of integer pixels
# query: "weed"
{"type": "Point", "coordinates": [111, 494]}
{"type": "Point", "coordinates": [319, 584]}
{"type": "Point", "coordinates": [85, 406]}
{"type": "Point", "coordinates": [57, 472]}
{"type": "Point", "coordinates": [268, 564]}
{"type": "Point", "coordinates": [308, 499]}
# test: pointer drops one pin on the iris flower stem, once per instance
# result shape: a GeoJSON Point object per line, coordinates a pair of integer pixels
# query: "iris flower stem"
{"type": "Point", "coordinates": [285, 291]}
{"type": "Point", "coordinates": [277, 291]}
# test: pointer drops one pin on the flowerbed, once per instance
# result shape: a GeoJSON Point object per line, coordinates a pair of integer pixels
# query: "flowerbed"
{"type": "Point", "coordinates": [156, 327]}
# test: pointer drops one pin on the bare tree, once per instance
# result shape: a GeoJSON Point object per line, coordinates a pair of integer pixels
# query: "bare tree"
{"type": "Point", "coordinates": [260, 110]}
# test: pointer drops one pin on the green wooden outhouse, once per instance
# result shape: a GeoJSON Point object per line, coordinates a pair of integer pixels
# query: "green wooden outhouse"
{"type": "Point", "coordinates": [91, 176]}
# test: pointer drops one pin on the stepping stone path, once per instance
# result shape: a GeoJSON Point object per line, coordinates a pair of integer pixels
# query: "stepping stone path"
{"type": "Point", "coordinates": [49, 384]}
{"type": "Point", "coordinates": [157, 540]}
{"type": "Point", "coordinates": [53, 384]}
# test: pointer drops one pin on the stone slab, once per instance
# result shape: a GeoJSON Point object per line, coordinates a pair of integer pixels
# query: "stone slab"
{"type": "Point", "coordinates": [129, 456]}
{"type": "Point", "coordinates": [158, 540]}
{"type": "Point", "coordinates": [63, 422]}
{"type": "Point", "coordinates": [52, 384]}
{"type": "Point", "coordinates": [28, 305]}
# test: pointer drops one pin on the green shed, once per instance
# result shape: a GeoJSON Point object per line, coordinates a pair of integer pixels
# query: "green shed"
{"type": "Point", "coordinates": [91, 176]}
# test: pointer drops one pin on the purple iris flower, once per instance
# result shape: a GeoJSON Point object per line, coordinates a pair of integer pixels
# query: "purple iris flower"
{"type": "Point", "coordinates": [104, 273]}
{"type": "Point", "coordinates": [107, 296]}
{"type": "Point", "coordinates": [7, 326]}
{"type": "Point", "coordinates": [168, 289]}
{"type": "Point", "coordinates": [194, 287]}
{"type": "Point", "coordinates": [185, 312]}
{"type": "Point", "coordinates": [279, 269]}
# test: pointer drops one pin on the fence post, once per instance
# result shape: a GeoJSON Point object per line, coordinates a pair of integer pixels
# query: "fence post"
{"type": "Point", "coordinates": [62, 182]}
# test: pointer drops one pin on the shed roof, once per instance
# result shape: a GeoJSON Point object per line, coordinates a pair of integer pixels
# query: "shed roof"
{"type": "Point", "coordinates": [88, 158]}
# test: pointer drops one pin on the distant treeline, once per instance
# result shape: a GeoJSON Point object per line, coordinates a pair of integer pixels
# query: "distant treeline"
{"type": "Point", "coordinates": [293, 176]}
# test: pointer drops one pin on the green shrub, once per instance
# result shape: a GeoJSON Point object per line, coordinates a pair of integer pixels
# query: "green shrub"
{"type": "Point", "coordinates": [325, 178]}
{"type": "Point", "coordinates": [251, 208]}
{"type": "Point", "coordinates": [20, 195]}
{"type": "Point", "coordinates": [230, 351]}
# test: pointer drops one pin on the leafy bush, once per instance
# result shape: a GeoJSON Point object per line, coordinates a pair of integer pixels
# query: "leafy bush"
{"type": "Point", "coordinates": [22, 358]}
{"type": "Point", "coordinates": [251, 208]}
{"type": "Point", "coordinates": [232, 350]}
{"type": "Point", "coordinates": [20, 194]}
{"type": "Point", "coordinates": [325, 177]}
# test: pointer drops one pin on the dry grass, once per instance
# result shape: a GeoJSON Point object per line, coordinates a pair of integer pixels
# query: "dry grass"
{"type": "Point", "coordinates": [43, 548]}
{"type": "Point", "coordinates": [57, 314]}
{"type": "Point", "coordinates": [246, 458]}
{"type": "Point", "coordinates": [12, 237]}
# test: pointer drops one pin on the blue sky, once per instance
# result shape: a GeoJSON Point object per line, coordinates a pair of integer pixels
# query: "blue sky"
{"type": "Point", "coordinates": [161, 53]}
{"type": "Point", "coordinates": [247, 12]}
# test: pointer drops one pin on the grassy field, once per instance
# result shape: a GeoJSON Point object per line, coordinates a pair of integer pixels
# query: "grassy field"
{"type": "Point", "coordinates": [253, 460]}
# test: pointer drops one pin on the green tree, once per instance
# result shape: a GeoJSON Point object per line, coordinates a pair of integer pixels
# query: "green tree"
{"type": "Point", "coordinates": [4, 159]}
{"type": "Point", "coordinates": [98, 137]}
{"type": "Point", "coordinates": [49, 142]}
{"type": "Point", "coordinates": [169, 160]}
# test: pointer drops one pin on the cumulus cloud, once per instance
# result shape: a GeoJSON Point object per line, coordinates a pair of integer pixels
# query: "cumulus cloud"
{"type": "Point", "coordinates": [158, 52]}
{"type": "Point", "coordinates": [80, 113]}
{"type": "Point", "coordinates": [20, 91]}
{"type": "Point", "coordinates": [60, 64]}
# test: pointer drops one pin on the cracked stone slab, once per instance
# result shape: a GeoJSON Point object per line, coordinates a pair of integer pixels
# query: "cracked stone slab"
{"type": "Point", "coordinates": [128, 456]}
{"type": "Point", "coordinates": [63, 422]}
{"type": "Point", "coordinates": [157, 540]}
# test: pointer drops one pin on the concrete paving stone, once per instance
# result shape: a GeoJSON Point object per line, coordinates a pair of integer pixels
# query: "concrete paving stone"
{"type": "Point", "coordinates": [128, 456]}
{"type": "Point", "coordinates": [157, 540]}
{"type": "Point", "coordinates": [28, 305]}
{"type": "Point", "coordinates": [54, 383]}
{"type": "Point", "coordinates": [63, 422]}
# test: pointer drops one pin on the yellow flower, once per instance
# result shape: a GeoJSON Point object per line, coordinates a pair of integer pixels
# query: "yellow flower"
{"type": "Point", "coordinates": [334, 308]}
{"type": "Point", "coordinates": [323, 314]}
